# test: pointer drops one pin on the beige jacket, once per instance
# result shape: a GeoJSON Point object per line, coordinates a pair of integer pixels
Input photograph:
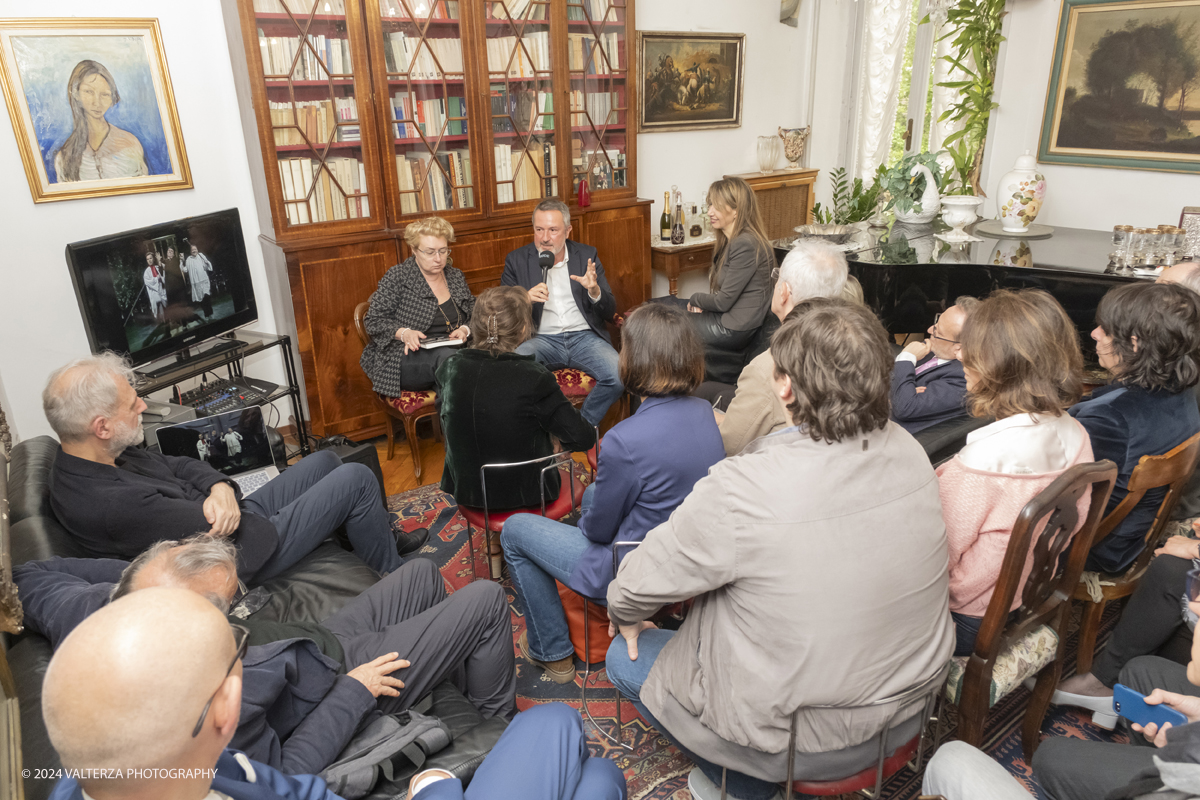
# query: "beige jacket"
{"type": "Point", "coordinates": [820, 577]}
{"type": "Point", "coordinates": [754, 411]}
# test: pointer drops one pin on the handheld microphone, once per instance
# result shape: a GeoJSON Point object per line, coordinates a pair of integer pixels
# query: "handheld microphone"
{"type": "Point", "coordinates": [545, 261]}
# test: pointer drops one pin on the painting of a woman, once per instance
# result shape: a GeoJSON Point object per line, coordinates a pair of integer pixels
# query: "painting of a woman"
{"type": "Point", "coordinates": [96, 148]}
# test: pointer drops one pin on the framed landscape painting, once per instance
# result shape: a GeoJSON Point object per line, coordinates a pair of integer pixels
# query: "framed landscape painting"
{"type": "Point", "coordinates": [690, 81]}
{"type": "Point", "coordinates": [1125, 86]}
{"type": "Point", "coordinates": [92, 107]}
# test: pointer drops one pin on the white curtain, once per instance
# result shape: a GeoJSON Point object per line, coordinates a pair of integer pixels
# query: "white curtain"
{"type": "Point", "coordinates": [944, 98]}
{"type": "Point", "coordinates": [885, 33]}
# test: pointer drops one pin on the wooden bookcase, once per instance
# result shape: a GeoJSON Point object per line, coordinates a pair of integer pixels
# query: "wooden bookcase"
{"type": "Point", "coordinates": [373, 113]}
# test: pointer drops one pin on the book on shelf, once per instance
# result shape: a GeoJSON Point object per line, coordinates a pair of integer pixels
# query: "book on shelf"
{"type": "Point", "coordinates": [300, 9]}
{"type": "Point", "coordinates": [279, 52]}
{"type": "Point", "coordinates": [313, 193]}
{"type": "Point", "coordinates": [506, 57]}
{"type": "Point", "coordinates": [315, 119]}
{"type": "Point", "coordinates": [586, 57]}
{"type": "Point", "coordinates": [500, 121]}
{"type": "Point", "coordinates": [600, 107]}
{"type": "Point", "coordinates": [502, 155]}
{"type": "Point", "coordinates": [422, 58]}
{"type": "Point", "coordinates": [442, 9]}
{"type": "Point", "coordinates": [516, 9]}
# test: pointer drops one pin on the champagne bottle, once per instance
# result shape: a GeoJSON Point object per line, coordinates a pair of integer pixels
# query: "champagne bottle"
{"type": "Point", "coordinates": [677, 235]}
{"type": "Point", "coordinates": [664, 222]}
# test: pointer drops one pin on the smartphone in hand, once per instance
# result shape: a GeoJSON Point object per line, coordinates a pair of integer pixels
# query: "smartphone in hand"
{"type": "Point", "coordinates": [1133, 707]}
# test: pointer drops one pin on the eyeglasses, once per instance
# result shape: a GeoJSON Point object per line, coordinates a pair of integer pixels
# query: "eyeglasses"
{"type": "Point", "coordinates": [936, 317]}
{"type": "Point", "coordinates": [445, 251]}
{"type": "Point", "coordinates": [241, 638]}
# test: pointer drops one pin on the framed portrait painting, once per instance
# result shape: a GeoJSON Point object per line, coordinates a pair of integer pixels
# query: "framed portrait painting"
{"type": "Point", "coordinates": [1125, 86]}
{"type": "Point", "coordinates": [690, 81]}
{"type": "Point", "coordinates": [92, 107]}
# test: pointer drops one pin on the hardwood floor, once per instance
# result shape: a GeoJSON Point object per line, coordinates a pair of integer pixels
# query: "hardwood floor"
{"type": "Point", "coordinates": [398, 473]}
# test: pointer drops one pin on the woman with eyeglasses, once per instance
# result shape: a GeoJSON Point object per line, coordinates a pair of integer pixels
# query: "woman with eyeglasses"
{"type": "Point", "coordinates": [418, 303]}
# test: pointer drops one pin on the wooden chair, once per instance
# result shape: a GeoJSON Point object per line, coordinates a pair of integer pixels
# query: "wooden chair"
{"type": "Point", "coordinates": [408, 408]}
{"type": "Point", "coordinates": [1173, 469]}
{"type": "Point", "coordinates": [1034, 642]}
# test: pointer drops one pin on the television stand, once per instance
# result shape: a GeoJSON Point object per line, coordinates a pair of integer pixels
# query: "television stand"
{"type": "Point", "coordinates": [167, 366]}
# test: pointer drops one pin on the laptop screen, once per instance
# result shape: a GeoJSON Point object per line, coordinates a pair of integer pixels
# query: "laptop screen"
{"type": "Point", "coordinates": [232, 443]}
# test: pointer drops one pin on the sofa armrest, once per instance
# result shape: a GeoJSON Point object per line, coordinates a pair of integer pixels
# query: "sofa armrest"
{"type": "Point", "coordinates": [943, 440]}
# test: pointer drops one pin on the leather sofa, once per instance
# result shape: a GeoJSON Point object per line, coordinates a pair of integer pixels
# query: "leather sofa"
{"type": "Point", "coordinates": [311, 591]}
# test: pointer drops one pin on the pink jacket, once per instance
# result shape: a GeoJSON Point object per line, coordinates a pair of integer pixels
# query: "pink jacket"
{"type": "Point", "coordinates": [984, 488]}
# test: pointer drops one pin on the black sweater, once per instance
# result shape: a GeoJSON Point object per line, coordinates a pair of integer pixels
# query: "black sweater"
{"type": "Point", "coordinates": [117, 512]}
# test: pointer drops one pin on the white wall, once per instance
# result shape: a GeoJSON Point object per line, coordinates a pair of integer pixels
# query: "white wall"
{"type": "Point", "coordinates": [1077, 197]}
{"type": "Point", "coordinates": [40, 324]}
{"type": "Point", "coordinates": [773, 96]}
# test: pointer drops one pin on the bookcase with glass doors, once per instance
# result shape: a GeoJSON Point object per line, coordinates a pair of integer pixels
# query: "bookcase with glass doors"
{"type": "Point", "coordinates": [374, 113]}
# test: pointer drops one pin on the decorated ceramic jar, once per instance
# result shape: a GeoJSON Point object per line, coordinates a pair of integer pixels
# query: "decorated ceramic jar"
{"type": "Point", "coordinates": [1020, 195]}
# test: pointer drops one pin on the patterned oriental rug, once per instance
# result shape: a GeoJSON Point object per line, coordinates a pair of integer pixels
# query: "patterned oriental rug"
{"type": "Point", "coordinates": [654, 769]}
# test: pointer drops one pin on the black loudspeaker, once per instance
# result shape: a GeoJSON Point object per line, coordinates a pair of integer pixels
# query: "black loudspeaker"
{"type": "Point", "coordinates": [351, 452]}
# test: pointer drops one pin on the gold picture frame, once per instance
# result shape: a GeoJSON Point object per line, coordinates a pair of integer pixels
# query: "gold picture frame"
{"type": "Point", "coordinates": [118, 115]}
{"type": "Point", "coordinates": [690, 81]}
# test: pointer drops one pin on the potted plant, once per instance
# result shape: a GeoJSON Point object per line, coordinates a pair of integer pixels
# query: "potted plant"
{"type": "Point", "coordinates": [913, 185]}
{"type": "Point", "coordinates": [852, 202]}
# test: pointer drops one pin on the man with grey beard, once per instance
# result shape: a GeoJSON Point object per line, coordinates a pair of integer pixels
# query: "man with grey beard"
{"type": "Point", "coordinates": [116, 499]}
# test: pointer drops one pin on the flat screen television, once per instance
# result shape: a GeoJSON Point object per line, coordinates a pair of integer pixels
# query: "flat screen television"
{"type": "Point", "coordinates": [156, 291]}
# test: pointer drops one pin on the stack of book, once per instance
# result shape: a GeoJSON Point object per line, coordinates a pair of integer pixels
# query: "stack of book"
{"type": "Point", "coordinates": [315, 118]}
{"type": "Point", "coordinates": [278, 52]}
{"type": "Point", "coordinates": [526, 175]}
{"type": "Point", "coordinates": [505, 57]}
{"type": "Point", "coordinates": [339, 191]}
{"type": "Point", "coordinates": [587, 56]}
{"type": "Point", "coordinates": [601, 108]}
{"type": "Point", "coordinates": [423, 59]}
{"type": "Point", "coordinates": [428, 116]}
{"type": "Point", "coordinates": [435, 183]}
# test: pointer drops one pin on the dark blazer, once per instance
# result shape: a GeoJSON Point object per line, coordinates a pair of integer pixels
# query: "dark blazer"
{"type": "Point", "coordinates": [944, 396]}
{"type": "Point", "coordinates": [499, 409]}
{"type": "Point", "coordinates": [404, 300]}
{"type": "Point", "coordinates": [648, 464]}
{"type": "Point", "coordinates": [744, 296]}
{"type": "Point", "coordinates": [117, 512]}
{"type": "Point", "coordinates": [1124, 424]}
{"type": "Point", "coordinates": [298, 709]}
{"type": "Point", "coordinates": [521, 269]}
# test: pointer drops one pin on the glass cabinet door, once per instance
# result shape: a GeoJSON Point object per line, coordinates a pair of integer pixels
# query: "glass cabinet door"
{"type": "Point", "coordinates": [426, 104]}
{"type": "Point", "coordinates": [521, 90]}
{"type": "Point", "coordinates": [598, 63]}
{"type": "Point", "coordinates": [308, 69]}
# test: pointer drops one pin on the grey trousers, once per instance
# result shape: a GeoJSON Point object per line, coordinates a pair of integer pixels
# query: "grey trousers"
{"type": "Point", "coordinates": [1074, 769]}
{"type": "Point", "coordinates": [959, 771]}
{"type": "Point", "coordinates": [466, 637]}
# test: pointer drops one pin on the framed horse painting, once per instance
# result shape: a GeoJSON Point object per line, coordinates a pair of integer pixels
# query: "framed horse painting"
{"type": "Point", "coordinates": [690, 81]}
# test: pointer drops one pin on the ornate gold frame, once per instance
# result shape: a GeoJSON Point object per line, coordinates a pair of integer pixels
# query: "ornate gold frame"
{"type": "Point", "coordinates": [643, 69]}
{"type": "Point", "coordinates": [18, 111]}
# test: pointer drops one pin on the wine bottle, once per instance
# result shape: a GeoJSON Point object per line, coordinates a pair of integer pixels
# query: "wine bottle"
{"type": "Point", "coordinates": [695, 226]}
{"type": "Point", "coordinates": [664, 222]}
{"type": "Point", "coordinates": [677, 235]}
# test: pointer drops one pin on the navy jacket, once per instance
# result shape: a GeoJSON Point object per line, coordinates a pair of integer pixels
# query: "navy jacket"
{"type": "Point", "coordinates": [246, 780]}
{"type": "Point", "coordinates": [1124, 424]}
{"type": "Point", "coordinates": [521, 269]}
{"type": "Point", "coordinates": [944, 396]}
{"type": "Point", "coordinates": [117, 512]}
{"type": "Point", "coordinates": [298, 710]}
{"type": "Point", "coordinates": [648, 464]}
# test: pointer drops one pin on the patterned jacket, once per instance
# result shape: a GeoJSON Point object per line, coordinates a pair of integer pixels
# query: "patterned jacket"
{"type": "Point", "coordinates": [404, 300]}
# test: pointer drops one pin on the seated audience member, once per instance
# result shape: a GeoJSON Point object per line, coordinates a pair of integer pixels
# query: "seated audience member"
{"type": "Point", "coordinates": [1153, 622]}
{"type": "Point", "coordinates": [499, 406]}
{"type": "Point", "coordinates": [729, 314]}
{"type": "Point", "coordinates": [542, 755]}
{"type": "Point", "coordinates": [572, 305]}
{"type": "Point", "coordinates": [1186, 274]}
{"type": "Point", "coordinates": [151, 687]}
{"type": "Point", "coordinates": [1023, 366]}
{"type": "Point", "coordinates": [647, 464]}
{"type": "Point", "coordinates": [765, 544]}
{"type": "Point", "coordinates": [117, 499]}
{"type": "Point", "coordinates": [423, 298]}
{"type": "Point", "coordinates": [928, 386]}
{"type": "Point", "coordinates": [308, 687]}
{"type": "Point", "coordinates": [812, 269]}
{"type": "Point", "coordinates": [1148, 336]}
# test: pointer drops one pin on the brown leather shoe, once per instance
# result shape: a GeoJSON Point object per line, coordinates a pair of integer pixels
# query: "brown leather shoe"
{"type": "Point", "coordinates": [561, 671]}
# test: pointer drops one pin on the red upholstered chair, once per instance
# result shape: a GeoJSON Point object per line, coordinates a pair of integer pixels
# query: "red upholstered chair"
{"type": "Point", "coordinates": [575, 384]}
{"type": "Point", "coordinates": [570, 492]}
{"type": "Point", "coordinates": [408, 408]}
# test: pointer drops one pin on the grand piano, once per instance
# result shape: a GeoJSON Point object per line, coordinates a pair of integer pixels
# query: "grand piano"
{"type": "Point", "coordinates": [908, 276]}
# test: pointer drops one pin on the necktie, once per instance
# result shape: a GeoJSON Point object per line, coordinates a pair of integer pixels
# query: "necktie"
{"type": "Point", "coordinates": [928, 365]}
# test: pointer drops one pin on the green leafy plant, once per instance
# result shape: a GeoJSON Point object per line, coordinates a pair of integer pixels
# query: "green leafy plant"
{"type": "Point", "coordinates": [896, 252]}
{"type": "Point", "coordinates": [975, 26]}
{"type": "Point", "coordinates": [852, 202]}
{"type": "Point", "coordinates": [906, 189]}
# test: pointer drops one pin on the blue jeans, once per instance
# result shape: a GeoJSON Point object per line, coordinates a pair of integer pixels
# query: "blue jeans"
{"type": "Point", "coordinates": [309, 501]}
{"type": "Point", "coordinates": [628, 676]}
{"type": "Point", "coordinates": [540, 551]}
{"type": "Point", "coordinates": [586, 351]}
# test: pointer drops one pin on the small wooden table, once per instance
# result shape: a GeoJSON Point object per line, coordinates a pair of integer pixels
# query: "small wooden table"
{"type": "Point", "coordinates": [676, 258]}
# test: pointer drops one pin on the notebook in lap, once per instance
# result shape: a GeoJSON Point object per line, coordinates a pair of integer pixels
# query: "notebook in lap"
{"type": "Point", "coordinates": [234, 443]}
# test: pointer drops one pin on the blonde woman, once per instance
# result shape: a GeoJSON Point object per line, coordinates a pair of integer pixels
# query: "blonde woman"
{"type": "Point", "coordinates": [422, 299]}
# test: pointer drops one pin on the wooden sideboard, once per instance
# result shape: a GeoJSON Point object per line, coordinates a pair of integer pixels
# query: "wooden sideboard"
{"type": "Point", "coordinates": [674, 259]}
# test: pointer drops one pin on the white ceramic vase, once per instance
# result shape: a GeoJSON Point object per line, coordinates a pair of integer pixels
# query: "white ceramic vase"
{"type": "Point", "coordinates": [959, 211]}
{"type": "Point", "coordinates": [1020, 195]}
{"type": "Point", "coordinates": [931, 202]}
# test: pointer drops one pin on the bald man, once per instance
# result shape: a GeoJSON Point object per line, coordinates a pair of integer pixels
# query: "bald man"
{"type": "Point", "coordinates": [309, 687]}
{"type": "Point", "coordinates": [141, 700]}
